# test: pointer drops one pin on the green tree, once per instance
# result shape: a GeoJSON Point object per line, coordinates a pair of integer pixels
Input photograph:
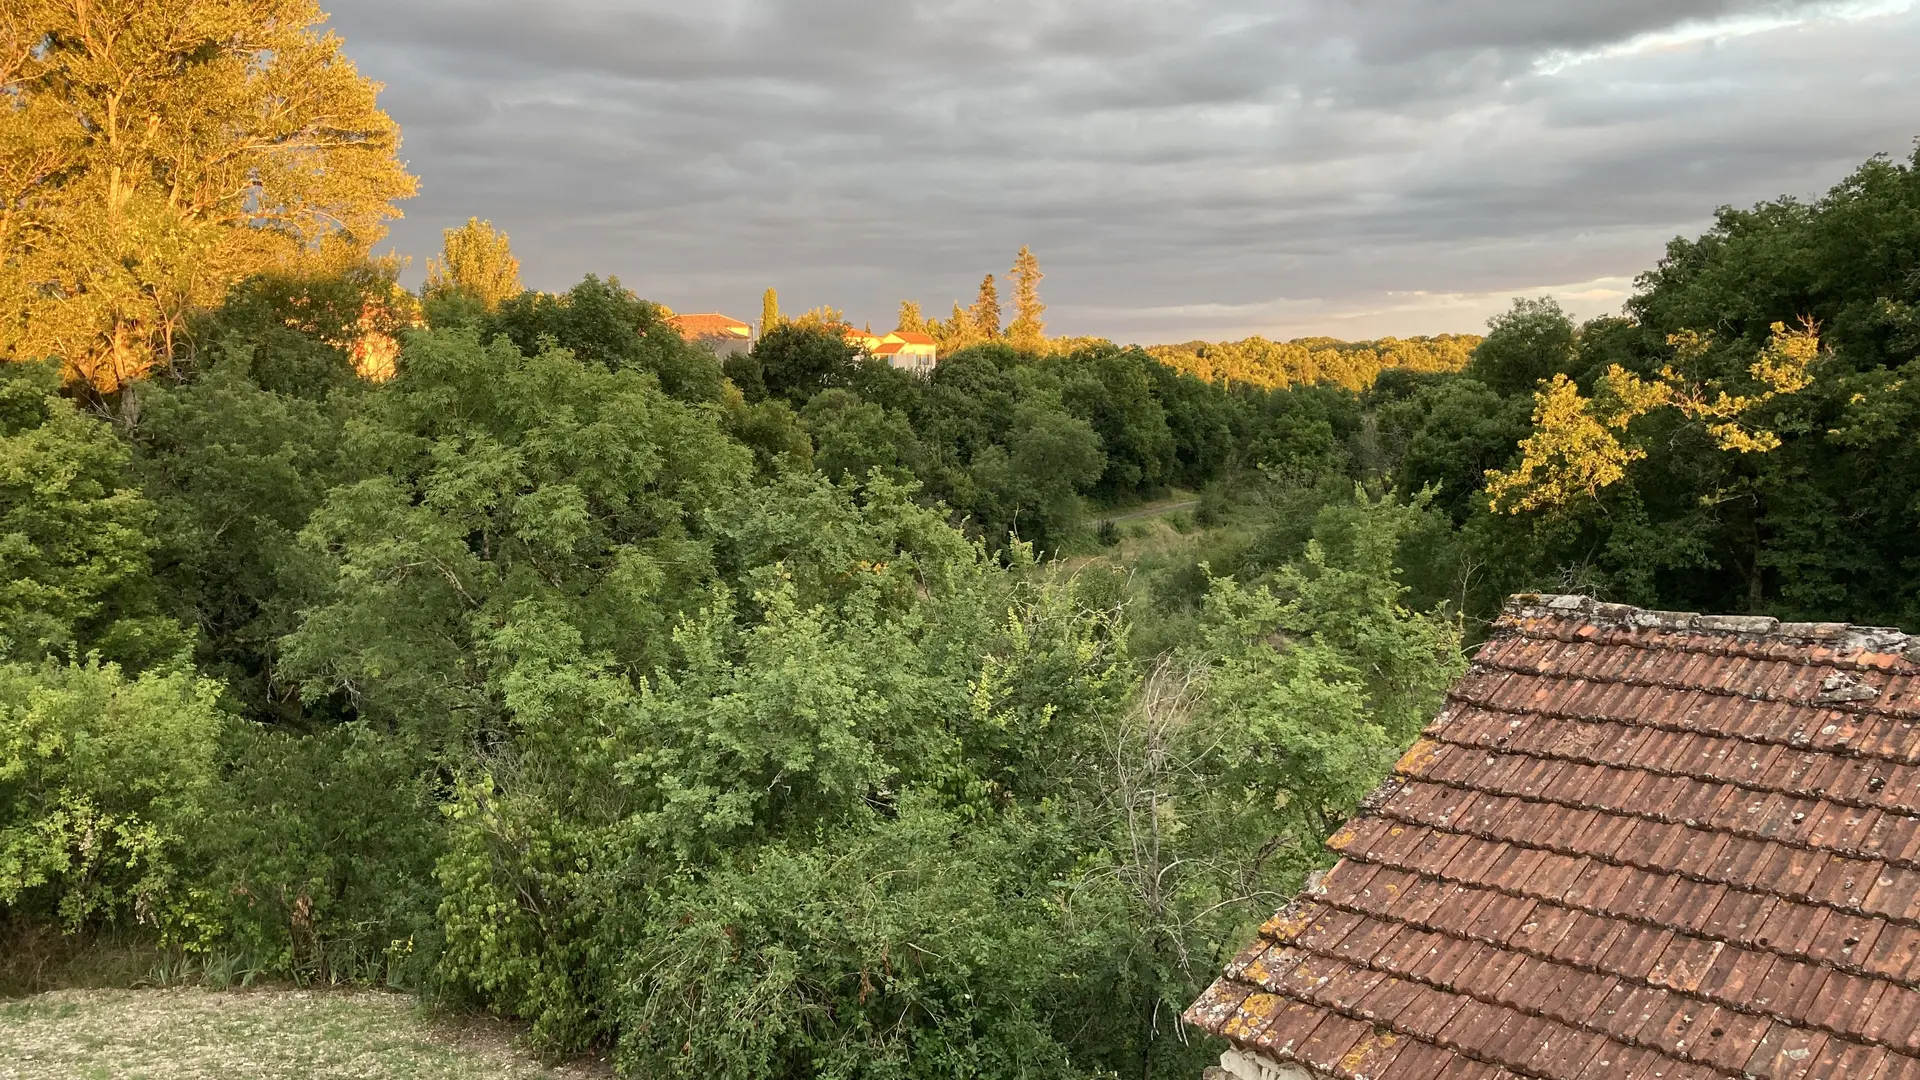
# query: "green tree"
{"type": "Point", "coordinates": [1030, 487]}
{"type": "Point", "coordinates": [233, 471]}
{"type": "Point", "coordinates": [499, 485]}
{"type": "Point", "coordinates": [295, 333]}
{"type": "Point", "coordinates": [853, 437]}
{"type": "Point", "coordinates": [1111, 389]}
{"type": "Point", "coordinates": [1532, 342]}
{"type": "Point", "coordinates": [75, 535]}
{"type": "Point", "coordinates": [601, 322]}
{"type": "Point", "coordinates": [1028, 333]}
{"type": "Point", "coordinates": [474, 260]}
{"type": "Point", "coordinates": [769, 311]}
{"type": "Point", "coordinates": [318, 851]}
{"type": "Point", "coordinates": [799, 359]}
{"type": "Point", "coordinates": [1453, 433]}
{"type": "Point", "coordinates": [984, 315]}
{"type": "Point", "coordinates": [154, 153]}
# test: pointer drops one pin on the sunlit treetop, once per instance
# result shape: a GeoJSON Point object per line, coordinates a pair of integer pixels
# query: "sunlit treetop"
{"type": "Point", "coordinates": [155, 152]}
{"type": "Point", "coordinates": [475, 259]}
{"type": "Point", "coordinates": [1580, 445]}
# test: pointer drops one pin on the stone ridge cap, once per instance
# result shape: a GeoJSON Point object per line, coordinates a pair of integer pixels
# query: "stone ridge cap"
{"type": "Point", "coordinates": [1840, 637]}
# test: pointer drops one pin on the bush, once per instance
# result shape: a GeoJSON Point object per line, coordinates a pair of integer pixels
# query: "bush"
{"type": "Point", "coordinates": [1108, 533]}
{"type": "Point", "coordinates": [320, 851]}
{"type": "Point", "coordinates": [1213, 506]}
{"type": "Point", "coordinates": [101, 779]}
{"type": "Point", "coordinates": [925, 946]}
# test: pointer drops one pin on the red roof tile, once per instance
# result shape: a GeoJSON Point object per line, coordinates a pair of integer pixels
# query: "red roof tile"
{"type": "Point", "coordinates": [1634, 844]}
{"type": "Point", "coordinates": [709, 324]}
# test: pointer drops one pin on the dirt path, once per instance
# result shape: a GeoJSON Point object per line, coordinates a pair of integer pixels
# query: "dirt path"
{"type": "Point", "coordinates": [256, 1034]}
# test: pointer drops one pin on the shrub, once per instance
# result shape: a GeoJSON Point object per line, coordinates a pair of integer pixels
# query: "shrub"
{"type": "Point", "coordinates": [101, 778]}
{"type": "Point", "coordinates": [924, 946]}
{"type": "Point", "coordinates": [319, 852]}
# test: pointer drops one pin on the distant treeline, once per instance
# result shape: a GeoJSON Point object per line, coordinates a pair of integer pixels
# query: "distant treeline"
{"type": "Point", "coordinates": [1255, 361]}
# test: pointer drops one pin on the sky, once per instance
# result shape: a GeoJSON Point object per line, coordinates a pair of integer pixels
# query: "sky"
{"type": "Point", "coordinates": [1182, 168]}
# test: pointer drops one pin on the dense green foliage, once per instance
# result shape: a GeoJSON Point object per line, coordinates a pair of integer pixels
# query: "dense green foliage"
{"type": "Point", "coordinates": [793, 716]}
{"type": "Point", "coordinates": [102, 781]}
{"type": "Point", "coordinates": [74, 534]}
{"type": "Point", "coordinates": [1817, 516]}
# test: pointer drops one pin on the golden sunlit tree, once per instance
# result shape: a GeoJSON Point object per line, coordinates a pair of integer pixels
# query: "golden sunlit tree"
{"type": "Point", "coordinates": [155, 152]}
{"type": "Point", "coordinates": [1578, 445]}
{"type": "Point", "coordinates": [476, 261]}
{"type": "Point", "coordinates": [1028, 332]}
{"type": "Point", "coordinates": [985, 313]}
{"type": "Point", "coordinates": [911, 320]}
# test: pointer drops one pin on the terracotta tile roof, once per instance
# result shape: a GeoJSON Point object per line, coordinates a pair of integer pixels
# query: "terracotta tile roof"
{"type": "Point", "coordinates": [891, 348]}
{"type": "Point", "coordinates": [1634, 844]}
{"type": "Point", "coordinates": [914, 337]}
{"type": "Point", "coordinates": [709, 324]}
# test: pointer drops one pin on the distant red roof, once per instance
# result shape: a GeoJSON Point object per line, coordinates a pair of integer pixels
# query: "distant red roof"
{"type": "Point", "coordinates": [914, 337]}
{"type": "Point", "coordinates": [891, 348]}
{"type": "Point", "coordinates": [1635, 844]}
{"type": "Point", "coordinates": [710, 324]}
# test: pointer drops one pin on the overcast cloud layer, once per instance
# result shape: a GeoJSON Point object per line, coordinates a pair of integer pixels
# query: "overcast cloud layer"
{"type": "Point", "coordinates": [1183, 168]}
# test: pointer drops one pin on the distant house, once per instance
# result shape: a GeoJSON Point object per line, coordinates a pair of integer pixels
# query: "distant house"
{"type": "Point", "coordinates": [911, 350]}
{"type": "Point", "coordinates": [864, 339]}
{"type": "Point", "coordinates": [1634, 845]}
{"type": "Point", "coordinates": [908, 350]}
{"type": "Point", "coordinates": [725, 335]}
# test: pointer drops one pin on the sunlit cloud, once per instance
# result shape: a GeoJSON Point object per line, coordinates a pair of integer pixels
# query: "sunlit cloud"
{"type": "Point", "coordinates": [1407, 313]}
{"type": "Point", "coordinates": [1717, 31]}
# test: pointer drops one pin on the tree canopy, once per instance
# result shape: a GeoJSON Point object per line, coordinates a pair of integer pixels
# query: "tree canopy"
{"type": "Point", "coordinates": [476, 261]}
{"type": "Point", "coordinates": [153, 154]}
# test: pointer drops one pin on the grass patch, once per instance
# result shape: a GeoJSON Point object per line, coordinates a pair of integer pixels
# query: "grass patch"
{"type": "Point", "coordinates": [197, 1034]}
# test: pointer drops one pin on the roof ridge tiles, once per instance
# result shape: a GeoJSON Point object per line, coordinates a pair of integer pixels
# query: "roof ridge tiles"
{"type": "Point", "coordinates": [1842, 697]}
{"type": "Point", "coordinates": [1841, 637]}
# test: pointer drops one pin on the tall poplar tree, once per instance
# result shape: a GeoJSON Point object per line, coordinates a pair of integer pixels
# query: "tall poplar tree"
{"type": "Point", "coordinates": [985, 313]}
{"type": "Point", "coordinates": [910, 318]}
{"type": "Point", "coordinates": [1028, 333]}
{"type": "Point", "coordinates": [155, 152]}
{"type": "Point", "coordinates": [769, 310]}
{"type": "Point", "coordinates": [475, 260]}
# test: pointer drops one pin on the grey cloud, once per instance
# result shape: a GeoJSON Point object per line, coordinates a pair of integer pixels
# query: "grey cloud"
{"type": "Point", "coordinates": [1181, 166]}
